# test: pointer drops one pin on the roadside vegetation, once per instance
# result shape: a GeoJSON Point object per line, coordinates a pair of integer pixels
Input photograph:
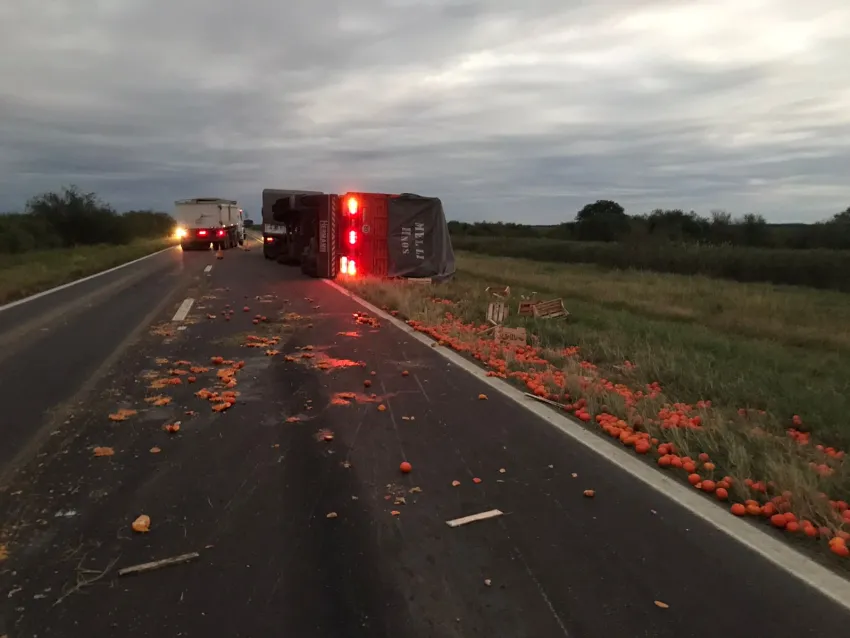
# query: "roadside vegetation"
{"type": "Point", "coordinates": [63, 236]}
{"type": "Point", "coordinates": [746, 249]}
{"type": "Point", "coordinates": [738, 389]}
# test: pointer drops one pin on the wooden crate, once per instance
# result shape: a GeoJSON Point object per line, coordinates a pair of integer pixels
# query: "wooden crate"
{"type": "Point", "coordinates": [550, 309]}
{"type": "Point", "coordinates": [526, 308]}
{"type": "Point", "coordinates": [497, 312]}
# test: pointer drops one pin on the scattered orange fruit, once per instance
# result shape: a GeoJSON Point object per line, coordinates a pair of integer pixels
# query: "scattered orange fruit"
{"type": "Point", "coordinates": [142, 524]}
{"type": "Point", "coordinates": [405, 467]}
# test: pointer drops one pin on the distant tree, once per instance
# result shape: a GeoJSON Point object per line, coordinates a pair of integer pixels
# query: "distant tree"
{"type": "Point", "coordinates": [841, 218]}
{"type": "Point", "coordinates": [602, 207]}
{"type": "Point", "coordinates": [676, 225]}
{"type": "Point", "coordinates": [755, 230]}
{"type": "Point", "coordinates": [603, 220]}
{"type": "Point", "coordinates": [79, 218]}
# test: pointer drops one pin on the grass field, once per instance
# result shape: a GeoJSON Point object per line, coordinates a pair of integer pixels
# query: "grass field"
{"type": "Point", "coordinates": [31, 272]}
{"type": "Point", "coordinates": [742, 386]}
{"type": "Point", "coordinates": [816, 268]}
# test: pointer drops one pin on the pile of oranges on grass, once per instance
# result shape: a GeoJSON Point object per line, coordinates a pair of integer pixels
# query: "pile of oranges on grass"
{"type": "Point", "coordinates": [533, 368]}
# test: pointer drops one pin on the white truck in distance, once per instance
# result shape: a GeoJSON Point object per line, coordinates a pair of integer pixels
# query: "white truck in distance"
{"type": "Point", "coordinates": [208, 220]}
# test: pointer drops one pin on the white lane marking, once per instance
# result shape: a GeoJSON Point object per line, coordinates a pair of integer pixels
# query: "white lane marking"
{"type": "Point", "coordinates": [783, 556]}
{"type": "Point", "coordinates": [44, 293]}
{"type": "Point", "coordinates": [208, 269]}
{"type": "Point", "coordinates": [183, 310]}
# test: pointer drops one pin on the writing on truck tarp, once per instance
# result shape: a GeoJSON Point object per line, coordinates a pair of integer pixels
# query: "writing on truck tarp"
{"type": "Point", "coordinates": [413, 239]}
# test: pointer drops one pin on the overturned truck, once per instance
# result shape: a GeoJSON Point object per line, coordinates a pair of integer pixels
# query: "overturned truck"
{"type": "Point", "coordinates": [358, 234]}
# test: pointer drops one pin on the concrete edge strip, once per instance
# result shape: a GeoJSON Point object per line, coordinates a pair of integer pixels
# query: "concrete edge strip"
{"type": "Point", "coordinates": [784, 557]}
{"type": "Point", "coordinates": [50, 291]}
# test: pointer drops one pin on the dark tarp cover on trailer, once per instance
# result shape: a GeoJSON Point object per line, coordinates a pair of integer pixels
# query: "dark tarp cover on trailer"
{"type": "Point", "coordinates": [418, 242]}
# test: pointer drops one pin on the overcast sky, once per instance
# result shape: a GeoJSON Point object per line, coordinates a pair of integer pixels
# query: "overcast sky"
{"type": "Point", "coordinates": [506, 113]}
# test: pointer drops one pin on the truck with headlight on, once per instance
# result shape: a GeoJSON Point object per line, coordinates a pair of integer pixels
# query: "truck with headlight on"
{"type": "Point", "coordinates": [209, 221]}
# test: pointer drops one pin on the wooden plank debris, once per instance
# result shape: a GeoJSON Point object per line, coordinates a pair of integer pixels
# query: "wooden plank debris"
{"type": "Point", "coordinates": [158, 564]}
{"type": "Point", "coordinates": [457, 522]}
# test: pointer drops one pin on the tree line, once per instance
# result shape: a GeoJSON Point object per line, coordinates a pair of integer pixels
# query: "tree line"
{"type": "Point", "coordinates": [72, 217]}
{"type": "Point", "coordinates": [607, 221]}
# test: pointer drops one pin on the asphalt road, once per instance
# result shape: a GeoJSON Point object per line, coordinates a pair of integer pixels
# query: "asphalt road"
{"type": "Point", "coordinates": [251, 489]}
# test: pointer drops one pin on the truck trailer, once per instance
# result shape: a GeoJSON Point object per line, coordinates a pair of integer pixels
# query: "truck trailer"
{"type": "Point", "coordinates": [361, 234]}
{"type": "Point", "coordinates": [209, 220]}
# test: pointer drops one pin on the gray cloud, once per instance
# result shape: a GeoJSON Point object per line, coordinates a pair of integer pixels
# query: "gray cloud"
{"type": "Point", "coordinates": [506, 113]}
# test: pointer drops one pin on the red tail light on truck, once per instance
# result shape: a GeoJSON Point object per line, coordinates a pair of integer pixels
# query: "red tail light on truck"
{"type": "Point", "coordinates": [353, 205]}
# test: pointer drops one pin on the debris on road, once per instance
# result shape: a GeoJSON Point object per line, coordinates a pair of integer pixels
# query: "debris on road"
{"type": "Point", "coordinates": [395, 513]}
{"type": "Point", "coordinates": [405, 467]}
{"type": "Point", "coordinates": [502, 470]}
{"type": "Point", "coordinates": [331, 515]}
{"type": "Point", "coordinates": [457, 522]}
{"type": "Point", "coordinates": [172, 428]}
{"type": "Point", "coordinates": [455, 483]}
{"type": "Point", "coordinates": [155, 450]}
{"type": "Point", "coordinates": [589, 493]}
{"type": "Point", "coordinates": [476, 480]}
{"type": "Point", "coordinates": [158, 564]}
{"type": "Point", "coordinates": [488, 582]}
{"type": "Point", "coordinates": [104, 451]}
{"type": "Point", "coordinates": [482, 397]}
{"type": "Point", "coordinates": [662, 605]}
{"type": "Point", "coordinates": [122, 415]}
{"type": "Point", "coordinates": [546, 401]}
{"type": "Point", "coordinates": [142, 524]}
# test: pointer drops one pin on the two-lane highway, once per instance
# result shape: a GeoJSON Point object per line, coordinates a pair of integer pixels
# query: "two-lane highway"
{"type": "Point", "coordinates": [53, 346]}
{"type": "Point", "coordinates": [293, 498]}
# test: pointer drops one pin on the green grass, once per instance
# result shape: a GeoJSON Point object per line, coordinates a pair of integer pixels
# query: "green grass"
{"type": "Point", "coordinates": [31, 272]}
{"type": "Point", "coordinates": [817, 268]}
{"type": "Point", "coordinates": [782, 350]}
